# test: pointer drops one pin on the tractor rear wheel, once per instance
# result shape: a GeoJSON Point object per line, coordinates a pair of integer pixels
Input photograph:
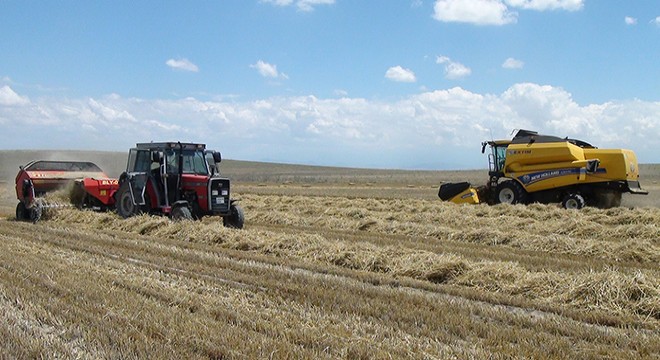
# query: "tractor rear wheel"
{"type": "Point", "coordinates": [511, 192]}
{"type": "Point", "coordinates": [235, 219]}
{"type": "Point", "coordinates": [125, 205]}
{"type": "Point", "coordinates": [573, 201]}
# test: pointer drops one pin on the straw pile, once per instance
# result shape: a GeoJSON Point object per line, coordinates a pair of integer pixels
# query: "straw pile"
{"type": "Point", "coordinates": [628, 293]}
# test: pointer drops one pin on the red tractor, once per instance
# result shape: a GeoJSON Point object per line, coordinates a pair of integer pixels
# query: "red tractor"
{"type": "Point", "coordinates": [177, 179]}
{"type": "Point", "coordinates": [180, 180]}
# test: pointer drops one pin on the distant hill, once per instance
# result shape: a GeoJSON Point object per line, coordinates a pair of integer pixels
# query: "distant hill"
{"type": "Point", "coordinates": [114, 163]}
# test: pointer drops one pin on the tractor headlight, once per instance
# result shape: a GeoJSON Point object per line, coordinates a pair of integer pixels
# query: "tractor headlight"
{"type": "Point", "coordinates": [225, 192]}
{"type": "Point", "coordinates": [214, 193]}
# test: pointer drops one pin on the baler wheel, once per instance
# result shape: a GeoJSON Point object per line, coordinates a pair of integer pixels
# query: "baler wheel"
{"type": "Point", "coordinates": [22, 213]}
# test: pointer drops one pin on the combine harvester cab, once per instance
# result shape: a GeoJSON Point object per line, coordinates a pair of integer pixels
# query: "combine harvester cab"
{"type": "Point", "coordinates": [37, 178]}
{"type": "Point", "coordinates": [548, 169]}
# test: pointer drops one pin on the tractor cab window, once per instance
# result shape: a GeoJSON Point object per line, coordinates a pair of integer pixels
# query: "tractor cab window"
{"type": "Point", "coordinates": [138, 161]}
{"type": "Point", "coordinates": [193, 162]}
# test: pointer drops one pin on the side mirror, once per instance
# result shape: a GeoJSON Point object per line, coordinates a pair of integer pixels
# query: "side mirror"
{"type": "Point", "coordinates": [217, 157]}
{"type": "Point", "coordinates": [483, 147]}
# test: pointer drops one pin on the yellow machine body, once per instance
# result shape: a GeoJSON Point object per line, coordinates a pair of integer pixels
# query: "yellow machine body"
{"type": "Point", "coordinates": [468, 196]}
{"type": "Point", "coordinates": [546, 166]}
{"type": "Point", "coordinates": [541, 168]}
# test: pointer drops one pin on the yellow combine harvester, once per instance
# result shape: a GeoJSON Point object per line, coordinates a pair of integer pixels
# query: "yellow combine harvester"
{"type": "Point", "coordinates": [546, 169]}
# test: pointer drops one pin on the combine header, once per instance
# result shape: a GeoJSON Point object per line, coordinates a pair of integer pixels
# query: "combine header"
{"type": "Point", "coordinates": [40, 177]}
{"type": "Point", "coordinates": [548, 169]}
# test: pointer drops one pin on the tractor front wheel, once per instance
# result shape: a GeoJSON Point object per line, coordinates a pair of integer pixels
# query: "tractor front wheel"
{"type": "Point", "coordinates": [511, 192]}
{"type": "Point", "coordinates": [181, 213]}
{"type": "Point", "coordinates": [235, 219]}
{"type": "Point", "coordinates": [125, 205]}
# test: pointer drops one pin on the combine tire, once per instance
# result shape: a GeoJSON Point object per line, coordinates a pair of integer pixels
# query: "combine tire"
{"type": "Point", "coordinates": [511, 192]}
{"type": "Point", "coordinates": [125, 206]}
{"type": "Point", "coordinates": [235, 219]}
{"type": "Point", "coordinates": [181, 213]}
{"type": "Point", "coordinates": [22, 214]}
{"type": "Point", "coordinates": [573, 201]}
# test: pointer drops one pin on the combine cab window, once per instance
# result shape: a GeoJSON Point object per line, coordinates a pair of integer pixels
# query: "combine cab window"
{"type": "Point", "coordinates": [497, 158]}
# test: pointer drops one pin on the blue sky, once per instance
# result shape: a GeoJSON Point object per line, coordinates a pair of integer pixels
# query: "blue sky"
{"type": "Point", "coordinates": [388, 84]}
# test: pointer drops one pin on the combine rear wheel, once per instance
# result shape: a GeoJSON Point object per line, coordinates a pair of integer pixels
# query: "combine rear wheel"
{"type": "Point", "coordinates": [125, 205]}
{"type": "Point", "coordinates": [511, 192]}
{"type": "Point", "coordinates": [235, 219]}
{"type": "Point", "coordinates": [573, 201]}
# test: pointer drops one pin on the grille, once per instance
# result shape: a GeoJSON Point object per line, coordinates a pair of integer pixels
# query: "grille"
{"type": "Point", "coordinates": [219, 195]}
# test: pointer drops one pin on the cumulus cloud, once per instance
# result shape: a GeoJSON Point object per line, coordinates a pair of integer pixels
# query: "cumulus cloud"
{"type": "Point", "coordinates": [10, 98]}
{"type": "Point", "coordinates": [404, 133]}
{"type": "Point", "coordinates": [656, 21]}
{"type": "Point", "coordinates": [399, 74]}
{"type": "Point", "coordinates": [479, 12]}
{"type": "Point", "coordinates": [630, 20]}
{"type": "Point", "coordinates": [495, 12]}
{"type": "Point", "coordinates": [302, 5]}
{"type": "Point", "coordinates": [182, 64]}
{"type": "Point", "coordinates": [543, 5]}
{"type": "Point", "coordinates": [268, 70]}
{"type": "Point", "coordinates": [512, 63]}
{"type": "Point", "coordinates": [453, 70]}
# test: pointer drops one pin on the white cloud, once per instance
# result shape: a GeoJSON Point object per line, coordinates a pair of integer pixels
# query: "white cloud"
{"type": "Point", "coordinates": [399, 74]}
{"type": "Point", "coordinates": [656, 21]}
{"type": "Point", "coordinates": [479, 12]}
{"type": "Point", "coordinates": [630, 20]}
{"type": "Point", "coordinates": [495, 12]}
{"type": "Point", "coordinates": [302, 5]}
{"type": "Point", "coordinates": [512, 63]}
{"type": "Point", "coordinates": [542, 5]}
{"type": "Point", "coordinates": [453, 70]}
{"type": "Point", "coordinates": [10, 98]}
{"type": "Point", "coordinates": [182, 64]}
{"type": "Point", "coordinates": [268, 70]}
{"type": "Point", "coordinates": [408, 132]}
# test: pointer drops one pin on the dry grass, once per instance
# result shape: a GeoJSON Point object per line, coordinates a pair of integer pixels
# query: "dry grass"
{"type": "Point", "coordinates": [353, 265]}
{"type": "Point", "coordinates": [632, 293]}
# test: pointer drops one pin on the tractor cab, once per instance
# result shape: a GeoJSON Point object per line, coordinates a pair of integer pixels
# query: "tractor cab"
{"type": "Point", "coordinates": [177, 179]}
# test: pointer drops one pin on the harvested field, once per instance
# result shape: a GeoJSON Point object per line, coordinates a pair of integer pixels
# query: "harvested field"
{"type": "Point", "coordinates": [367, 266]}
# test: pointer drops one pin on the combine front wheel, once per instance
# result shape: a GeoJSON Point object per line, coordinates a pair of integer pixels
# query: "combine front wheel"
{"type": "Point", "coordinates": [511, 192]}
{"type": "Point", "coordinates": [573, 201]}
